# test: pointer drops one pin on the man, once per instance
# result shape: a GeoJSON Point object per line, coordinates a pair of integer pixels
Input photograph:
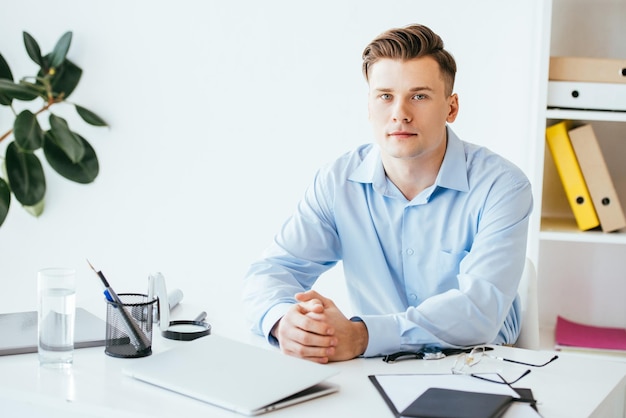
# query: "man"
{"type": "Point", "coordinates": [431, 230]}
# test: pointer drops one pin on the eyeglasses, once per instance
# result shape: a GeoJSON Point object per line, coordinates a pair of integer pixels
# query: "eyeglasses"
{"type": "Point", "coordinates": [428, 353]}
{"type": "Point", "coordinates": [437, 353]}
{"type": "Point", "coordinates": [464, 362]}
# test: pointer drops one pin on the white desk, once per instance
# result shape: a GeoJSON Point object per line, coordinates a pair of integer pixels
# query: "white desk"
{"type": "Point", "coordinates": [95, 387]}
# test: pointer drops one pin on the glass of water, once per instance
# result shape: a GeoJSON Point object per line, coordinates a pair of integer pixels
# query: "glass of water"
{"type": "Point", "coordinates": [56, 291]}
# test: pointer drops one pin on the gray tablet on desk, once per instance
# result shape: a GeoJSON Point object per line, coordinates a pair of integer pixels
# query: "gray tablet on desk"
{"type": "Point", "coordinates": [18, 331]}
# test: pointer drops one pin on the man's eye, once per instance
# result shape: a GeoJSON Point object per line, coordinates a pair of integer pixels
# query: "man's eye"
{"type": "Point", "coordinates": [419, 97]}
{"type": "Point", "coordinates": [385, 96]}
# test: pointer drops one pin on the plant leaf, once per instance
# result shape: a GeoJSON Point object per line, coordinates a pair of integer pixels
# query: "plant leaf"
{"type": "Point", "coordinates": [32, 47]}
{"type": "Point", "coordinates": [25, 174]}
{"type": "Point", "coordinates": [60, 50]}
{"type": "Point", "coordinates": [90, 117]}
{"type": "Point", "coordinates": [5, 200]}
{"type": "Point", "coordinates": [84, 171]}
{"type": "Point", "coordinates": [65, 79]}
{"type": "Point", "coordinates": [65, 139]}
{"type": "Point", "coordinates": [38, 88]}
{"type": "Point", "coordinates": [5, 73]}
{"type": "Point", "coordinates": [5, 70]}
{"type": "Point", "coordinates": [27, 132]}
{"type": "Point", "coordinates": [37, 209]}
{"type": "Point", "coordinates": [17, 91]}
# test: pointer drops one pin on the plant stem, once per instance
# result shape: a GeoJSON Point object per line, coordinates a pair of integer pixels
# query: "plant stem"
{"type": "Point", "coordinates": [43, 109]}
{"type": "Point", "coordinates": [7, 133]}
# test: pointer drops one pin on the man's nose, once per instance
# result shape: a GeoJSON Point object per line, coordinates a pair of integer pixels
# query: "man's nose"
{"type": "Point", "coordinates": [401, 113]}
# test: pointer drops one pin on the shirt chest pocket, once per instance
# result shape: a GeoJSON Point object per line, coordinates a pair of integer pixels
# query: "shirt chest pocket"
{"type": "Point", "coordinates": [437, 273]}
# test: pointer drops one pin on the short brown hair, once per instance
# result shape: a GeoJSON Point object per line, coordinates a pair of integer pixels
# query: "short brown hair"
{"type": "Point", "coordinates": [410, 42]}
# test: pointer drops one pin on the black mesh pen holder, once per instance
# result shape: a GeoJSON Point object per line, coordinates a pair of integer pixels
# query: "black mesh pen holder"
{"type": "Point", "coordinates": [129, 326]}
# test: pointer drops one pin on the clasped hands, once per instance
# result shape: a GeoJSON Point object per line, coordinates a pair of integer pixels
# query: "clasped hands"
{"type": "Point", "coordinates": [316, 330]}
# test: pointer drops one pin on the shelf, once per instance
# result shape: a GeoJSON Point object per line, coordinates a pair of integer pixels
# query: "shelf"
{"type": "Point", "coordinates": [546, 338]}
{"type": "Point", "coordinates": [580, 273]}
{"type": "Point", "coordinates": [589, 115]}
{"type": "Point", "coordinates": [559, 229]}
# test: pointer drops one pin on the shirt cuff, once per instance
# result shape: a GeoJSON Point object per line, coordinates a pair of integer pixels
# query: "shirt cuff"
{"type": "Point", "coordinates": [272, 316]}
{"type": "Point", "coordinates": [383, 335]}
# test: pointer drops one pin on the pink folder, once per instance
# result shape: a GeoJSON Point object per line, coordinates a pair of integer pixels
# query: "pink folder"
{"type": "Point", "coordinates": [572, 334]}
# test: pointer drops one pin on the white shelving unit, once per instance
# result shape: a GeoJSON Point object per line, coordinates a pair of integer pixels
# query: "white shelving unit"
{"type": "Point", "coordinates": [562, 227]}
{"type": "Point", "coordinates": [589, 115]}
{"type": "Point", "coordinates": [582, 274]}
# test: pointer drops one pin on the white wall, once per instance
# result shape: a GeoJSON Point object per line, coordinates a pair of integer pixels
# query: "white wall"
{"type": "Point", "coordinates": [220, 113]}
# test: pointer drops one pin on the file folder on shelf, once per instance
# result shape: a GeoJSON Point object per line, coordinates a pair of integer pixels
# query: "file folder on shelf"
{"type": "Point", "coordinates": [597, 177]}
{"type": "Point", "coordinates": [570, 335]}
{"type": "Point", "coordinates": [587, 95]}
{"type": "Point", "coordinates": [599, 70]}
{"type": "Point", "coordinates": [571, 176]}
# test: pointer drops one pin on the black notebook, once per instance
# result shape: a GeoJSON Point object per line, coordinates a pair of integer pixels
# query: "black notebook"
{"type": "Point", "coordinates": [449, 403]}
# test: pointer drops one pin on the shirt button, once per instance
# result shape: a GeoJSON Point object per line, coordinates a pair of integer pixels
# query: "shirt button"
{"type": "Point", "coordinates": [413, 296]}
{"type": "Point", "coordinates": [410, 251]}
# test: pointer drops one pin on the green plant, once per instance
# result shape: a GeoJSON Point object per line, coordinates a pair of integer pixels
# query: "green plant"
{"type": "Point", "coordinates": [68, 153]}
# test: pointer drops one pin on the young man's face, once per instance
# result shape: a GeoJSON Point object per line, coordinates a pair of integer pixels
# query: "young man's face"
{"type": "Point", "coordinates": [409, 108]}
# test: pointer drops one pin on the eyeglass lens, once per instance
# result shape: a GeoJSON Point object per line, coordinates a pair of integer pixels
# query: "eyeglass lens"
{"type": "Point", "coordinates": [475, 356]}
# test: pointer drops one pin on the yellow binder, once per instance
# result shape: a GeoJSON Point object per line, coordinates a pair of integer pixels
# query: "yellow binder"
{"type": "Point", "coordinates": [571, 176]}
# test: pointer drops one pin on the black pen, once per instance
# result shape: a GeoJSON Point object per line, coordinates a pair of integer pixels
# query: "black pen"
{"type": "Point", "coordinates": [108, 292]}
{"type": "Point", "coordinates": [135, 333]}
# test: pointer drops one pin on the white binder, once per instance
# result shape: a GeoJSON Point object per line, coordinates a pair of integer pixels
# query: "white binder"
{"type": "Point", "coordinates": [585, 95]}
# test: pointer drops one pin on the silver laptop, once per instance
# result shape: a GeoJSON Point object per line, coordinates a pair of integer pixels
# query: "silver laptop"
{"type": "Point", "coordinates": [233, 375]}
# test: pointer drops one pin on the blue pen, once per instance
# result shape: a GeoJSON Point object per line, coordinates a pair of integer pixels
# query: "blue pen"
{"type": "Point", "coordinates": [137, 337]}
{"type": "Point", "coordinates": [107, 295]}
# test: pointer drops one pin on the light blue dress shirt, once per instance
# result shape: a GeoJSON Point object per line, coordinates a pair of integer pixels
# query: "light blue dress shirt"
{"type": "Point", "coordinates": [439, 270]}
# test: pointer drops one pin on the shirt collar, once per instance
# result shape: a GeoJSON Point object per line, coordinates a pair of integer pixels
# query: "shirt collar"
{"type": "Point", "coordinates": [452, 174]}
{"type": "Point", "coordinates": [453, 171]}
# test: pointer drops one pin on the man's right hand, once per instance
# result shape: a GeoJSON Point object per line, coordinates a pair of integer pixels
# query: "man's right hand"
{"type": "Point", "coordinates": [300, 335]}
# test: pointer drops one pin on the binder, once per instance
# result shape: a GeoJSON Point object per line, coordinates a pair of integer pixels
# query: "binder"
{"type": "Point", "coordinates": [571, 176]}
{"type": "Point", "coordinates": [587, 95]}
{"type": "Point", "coordinates": [597, 177]}
{"type": "Point", "coordinates": [599, 70]}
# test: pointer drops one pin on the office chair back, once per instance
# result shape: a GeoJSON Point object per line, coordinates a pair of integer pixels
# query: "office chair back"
{"type": "Point", "coordinates": [529, 333]}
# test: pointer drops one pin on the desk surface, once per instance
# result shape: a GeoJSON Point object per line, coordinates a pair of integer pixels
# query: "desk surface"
{"type": "Point", "coordinates": [571, 386]}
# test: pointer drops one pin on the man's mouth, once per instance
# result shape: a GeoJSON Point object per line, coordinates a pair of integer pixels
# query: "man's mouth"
{"type": "Point", "coordinates": [400, 134]}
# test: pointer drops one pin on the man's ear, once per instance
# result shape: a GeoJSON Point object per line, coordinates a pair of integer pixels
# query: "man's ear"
{"type": "Point", "coordinates": [454, 108]}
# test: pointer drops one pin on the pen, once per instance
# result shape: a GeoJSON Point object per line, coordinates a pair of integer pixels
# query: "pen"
{"type": "Point", "coordinates": [136, 334]}
{"type": "Point", "coordinates": [107, 295]}
{"type": "Point", "coordinates": [107, 292]}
